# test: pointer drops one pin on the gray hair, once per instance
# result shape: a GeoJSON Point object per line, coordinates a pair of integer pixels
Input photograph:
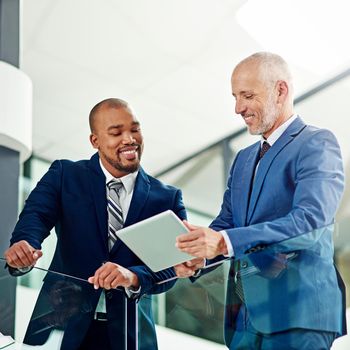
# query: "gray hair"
{"type": "Point", "coordinates": [272, 68]}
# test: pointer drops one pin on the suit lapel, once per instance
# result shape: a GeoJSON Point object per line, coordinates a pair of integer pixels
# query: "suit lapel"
{"type": "Point", "coordinates": [247, 178]}
{"type": "Point", "coordinates": [138, 201]}
{"type": "Point", "coordinates": [265, 163]}
{"type": "Point", "coordinates": [98, 189]}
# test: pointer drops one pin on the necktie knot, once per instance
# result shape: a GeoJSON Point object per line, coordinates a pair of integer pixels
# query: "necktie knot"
{"type": "Point", "coordinates": [264, 148]}
{"type": "Point", "coordinates": [115, 185]}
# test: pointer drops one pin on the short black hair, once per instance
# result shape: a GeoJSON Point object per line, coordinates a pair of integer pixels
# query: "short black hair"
{"type": "Point", "coordinates": [109, 103]}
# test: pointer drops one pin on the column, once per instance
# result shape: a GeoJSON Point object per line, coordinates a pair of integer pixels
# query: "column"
{"type": "Point", "coordinates": [15, 144]}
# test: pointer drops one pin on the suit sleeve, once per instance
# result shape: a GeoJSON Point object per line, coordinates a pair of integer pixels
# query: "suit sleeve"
{"type": "Point", "coordinates": [149, 279]}
{"type": "Point", "coordinates": [41, 210]}
{"type": "Point", "coordinates": [318, 186]}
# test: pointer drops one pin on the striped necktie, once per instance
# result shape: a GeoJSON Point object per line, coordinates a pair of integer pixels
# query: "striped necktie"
{"type": "Point", "coordinates": [115, 214]}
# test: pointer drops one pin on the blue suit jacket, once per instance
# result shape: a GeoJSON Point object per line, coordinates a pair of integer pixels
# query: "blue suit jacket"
{"type": "Point", "coordinates": [72, 197]}
{"type": "Point", "coordinates": [297, 189]}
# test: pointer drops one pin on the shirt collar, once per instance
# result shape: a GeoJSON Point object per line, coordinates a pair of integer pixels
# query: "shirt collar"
{"type": "Point", "coordinates": [128, 181]}
{"type": "Point", "coordinates": [279, 131]}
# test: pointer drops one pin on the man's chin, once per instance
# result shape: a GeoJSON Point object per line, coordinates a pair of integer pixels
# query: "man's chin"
{"type": "Point", "coordinates": [253, 131]}
{"type": "Point", "coordinates": [128, 168]}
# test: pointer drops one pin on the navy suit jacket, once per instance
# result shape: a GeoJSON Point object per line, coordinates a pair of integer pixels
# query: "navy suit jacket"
{"type": "Point", "coordinates": [297, 189]}
{"type": "Point", "coordinates": [71, 197]}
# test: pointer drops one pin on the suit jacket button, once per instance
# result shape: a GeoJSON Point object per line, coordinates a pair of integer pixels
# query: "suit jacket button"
{"type": "Point", "coordinates": [109, 294]}
{"type": "Point", "coordinates": [244, 264]}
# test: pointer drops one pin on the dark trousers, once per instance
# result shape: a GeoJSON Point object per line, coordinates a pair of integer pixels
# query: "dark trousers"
{"type": "Point", "coordinates": [247, 338]}
{"type": "Point", "coordinates": [97, 337]}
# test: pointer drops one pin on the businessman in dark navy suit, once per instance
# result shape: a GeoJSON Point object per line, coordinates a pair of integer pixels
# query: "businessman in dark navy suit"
{"type": "Point", "coordinates": [283, 188]}
{"type": "Point", "coordinates": [73, 198]}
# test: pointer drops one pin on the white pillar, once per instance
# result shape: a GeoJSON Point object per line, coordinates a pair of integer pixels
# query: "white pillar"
{"type": "Point", "coordinates": [15, 148]}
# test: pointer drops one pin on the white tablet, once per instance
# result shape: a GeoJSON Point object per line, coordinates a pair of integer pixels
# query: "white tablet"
{"type": "Point", "coordinates": [153, 240]}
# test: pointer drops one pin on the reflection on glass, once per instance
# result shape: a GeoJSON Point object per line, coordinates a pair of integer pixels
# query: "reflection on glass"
{"type": "Point", "coordinates": [60, 315]}
{"type": "Point", "coordinates": [280, 286]}
{"type": "Point", "coordinates": [62, 304]}
{"type": "Point", "coordinates": [265, 283]}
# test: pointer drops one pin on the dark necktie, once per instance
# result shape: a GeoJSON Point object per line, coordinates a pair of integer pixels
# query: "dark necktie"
{"type": "Point", "coordinates": [115, 214]}
{"type": "Point", "coordinates": [264, 148]}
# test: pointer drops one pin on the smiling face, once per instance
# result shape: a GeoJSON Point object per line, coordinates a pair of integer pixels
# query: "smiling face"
{"type": "Point", "coordinates": [257, 101]}
{"type": "Point", "coordinates": [117, 137]}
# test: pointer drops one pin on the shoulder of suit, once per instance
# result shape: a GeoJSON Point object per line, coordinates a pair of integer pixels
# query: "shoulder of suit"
{"type": "Point", "coordinates": [66, 163]}
{"type": "Point", "coordinates": [311, 131]}
{"type": "Point", "coordinates": [316, 129]}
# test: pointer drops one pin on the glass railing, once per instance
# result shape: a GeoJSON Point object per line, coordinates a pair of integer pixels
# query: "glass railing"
{"type": "Point", "coordinates": [281, 285]}
{"type": "Point", "coordinates": [59, 313]}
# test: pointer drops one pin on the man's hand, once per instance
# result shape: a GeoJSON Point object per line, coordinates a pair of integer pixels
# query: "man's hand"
{"type": "Point", "coordinates": [110, 276]}
{"type": "Point", "coordinates": [201, 242]}
{"type": "Point", "coordinates": [22, 254]}
{"type": "Point", "coordinates": [188, 268]}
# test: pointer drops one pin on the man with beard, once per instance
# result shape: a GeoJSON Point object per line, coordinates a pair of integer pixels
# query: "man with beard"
{"type": "Point", "coordinates": [87, 202]}
{"type": "Point", "coordinates": [287, 185]}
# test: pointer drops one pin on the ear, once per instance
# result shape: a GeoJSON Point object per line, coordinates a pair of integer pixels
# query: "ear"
{"type": "Point", "coordinates": [282, 91]}
{"type": "Point", "coordinates": [94, 140]}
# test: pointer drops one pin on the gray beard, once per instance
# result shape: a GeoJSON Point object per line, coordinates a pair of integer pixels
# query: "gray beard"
{"type": "Point", "coordinates": [270, 117]}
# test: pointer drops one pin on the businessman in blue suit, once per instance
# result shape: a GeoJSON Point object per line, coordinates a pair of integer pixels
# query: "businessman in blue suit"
{"type": "Point", "coordinates": [280, 188]}
{"type": "Point", "coordinates": [74, 198]}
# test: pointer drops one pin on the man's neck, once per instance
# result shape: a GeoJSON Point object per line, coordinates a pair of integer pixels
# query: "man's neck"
{"type": "Point", "coordinates": [280, 121]}
{"type": "Point", "coordinates": [113, 171]}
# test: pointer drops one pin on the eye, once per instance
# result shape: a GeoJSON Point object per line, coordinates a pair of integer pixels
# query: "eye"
{"type": "Point", "coordinates": [115, 134]}
{"type": "Point", "coordinates": [135, 130]}
{"type": "Point", "coordinates": [249, 97]}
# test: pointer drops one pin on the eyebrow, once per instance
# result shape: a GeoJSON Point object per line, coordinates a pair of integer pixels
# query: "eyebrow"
{"type": "Point", "coordinates": [118, 126]}
{"type": "Point", "coordinates": [243, 93]}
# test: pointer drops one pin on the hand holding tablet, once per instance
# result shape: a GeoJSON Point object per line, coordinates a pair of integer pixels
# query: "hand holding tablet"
{"type": "Point", "coordinates": [153, 240]}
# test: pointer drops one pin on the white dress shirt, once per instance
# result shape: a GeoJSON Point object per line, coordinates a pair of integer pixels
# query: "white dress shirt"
{"type": "Point", "coordinates": [126, 191]}
{"type": "Point", "coordinates": [271, 140]}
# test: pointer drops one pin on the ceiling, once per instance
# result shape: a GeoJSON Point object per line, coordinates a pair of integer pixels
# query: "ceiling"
{"type": "Point", "coordinates": [172, 61]}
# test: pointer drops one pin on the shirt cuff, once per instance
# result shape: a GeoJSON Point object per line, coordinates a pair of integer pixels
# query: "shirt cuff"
{"type": "Point", "coordinates": [199, 271]}
{"type": "Point", "coordinates": [132, 292]}
{"type": "Point", "coordinates": [230, 252]}
{"type": "Point", "coordinates": [25, 269]}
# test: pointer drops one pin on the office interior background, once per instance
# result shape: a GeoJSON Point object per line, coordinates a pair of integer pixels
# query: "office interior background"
{"type": "Point", "coordinates": [172, 61]}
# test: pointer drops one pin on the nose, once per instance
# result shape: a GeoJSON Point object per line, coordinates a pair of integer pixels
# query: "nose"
{"type": "Point", "coordinates": [128, 138]}
{"type": "Point", "coordinates": [240, 106]}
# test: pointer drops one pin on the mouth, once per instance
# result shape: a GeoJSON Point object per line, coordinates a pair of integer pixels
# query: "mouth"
{"type": "Point", "coordinates": [248, 118]}
{"type": "Point", "coordinates": [129, 152]}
